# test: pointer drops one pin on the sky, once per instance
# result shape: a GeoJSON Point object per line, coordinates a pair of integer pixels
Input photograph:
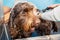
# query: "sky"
{"type": "Point", "coordinates": [41, 4]}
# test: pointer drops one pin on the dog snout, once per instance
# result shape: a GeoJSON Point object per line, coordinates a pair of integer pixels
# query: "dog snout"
{"type": "Point", "coordinates": [36, 22]}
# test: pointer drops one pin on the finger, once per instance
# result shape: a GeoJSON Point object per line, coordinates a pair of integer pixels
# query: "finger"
{"type": "Point", "coordinates": [6, 9]}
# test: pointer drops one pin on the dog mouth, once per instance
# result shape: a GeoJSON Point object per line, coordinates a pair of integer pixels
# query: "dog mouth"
{"type": "Point", "coordinates": [35, 25]}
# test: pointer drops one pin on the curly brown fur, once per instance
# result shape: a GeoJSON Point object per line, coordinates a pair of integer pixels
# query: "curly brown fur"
{"type": "Point", "coordinates": [22, 20]}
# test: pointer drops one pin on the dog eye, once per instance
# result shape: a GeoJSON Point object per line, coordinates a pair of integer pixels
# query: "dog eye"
{"type": "Point", "coordinates": [37, 13]}
{"type": "Point", "coordinates": [28, 9]}
{"type": "Point", "coordinates": [23, 15]}
{"type": "Point", "coordinates": [25, 10]}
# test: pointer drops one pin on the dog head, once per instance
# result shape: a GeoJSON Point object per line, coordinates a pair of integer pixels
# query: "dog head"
{"type": "Point", "coordinates": [22, 18]}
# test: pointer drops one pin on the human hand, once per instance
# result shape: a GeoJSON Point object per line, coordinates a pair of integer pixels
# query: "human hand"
{"type": "Point", "coordinates": [53, 6]}
{"type": "Point", "coordinates": [6, 13]}
{"type": "Point", "coordinates": [6, 9]}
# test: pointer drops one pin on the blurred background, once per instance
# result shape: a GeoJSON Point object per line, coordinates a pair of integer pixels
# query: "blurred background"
{"type": "Point", "coordinates": [1, 20]}
{"type": "Point", "coordinates": [41, 4]}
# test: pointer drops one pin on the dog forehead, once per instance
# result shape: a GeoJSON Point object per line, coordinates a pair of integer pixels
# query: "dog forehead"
{"type": "Point", "coordinates": [25, 3]}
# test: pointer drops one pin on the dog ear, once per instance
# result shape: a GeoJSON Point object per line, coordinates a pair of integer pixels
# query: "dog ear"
{"type": "Point", "coordinates": [10, 23]}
